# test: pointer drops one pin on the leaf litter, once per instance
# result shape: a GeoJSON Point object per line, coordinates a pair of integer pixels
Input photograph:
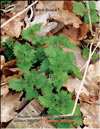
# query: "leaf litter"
{"type": "Point", "coordinates": [74, 30]}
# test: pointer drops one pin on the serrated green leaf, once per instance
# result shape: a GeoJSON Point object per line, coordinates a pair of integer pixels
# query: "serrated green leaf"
{"type": "Point", "coordinates": [37, 27]}
{"type": "Point", "coordinates": [40, 54]}
{"type": "Point", "coordinates": [79, 8]}
{"type": "Point", "coordinates": [16, 84]}
{"type": "Point", "coordinates": [25, 55]}
{"type": "Point", "coordinates": [45, 66]}
{"type": "Point", "coordinates": [30, 32]}
{"type": "Point", "coordinates": [36, 40]}
{"type": "Point", "coordinates": [9, 42]}
{"type": "Point", "coordinates": [47, 100]}
{"type": "Point", "coordinates": [31, 93]}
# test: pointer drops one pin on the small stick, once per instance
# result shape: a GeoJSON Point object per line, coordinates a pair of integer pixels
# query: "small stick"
{"type": "Point", "coordinates": [87, 3]}
{"type": "Point", "coordinates": [87, 64]}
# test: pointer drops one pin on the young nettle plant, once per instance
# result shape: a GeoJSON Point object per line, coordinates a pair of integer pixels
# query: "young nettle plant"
{"type": "Point", "coordinates": [80, 9]}
{"type": "Point", "coordinates": [38, 63]}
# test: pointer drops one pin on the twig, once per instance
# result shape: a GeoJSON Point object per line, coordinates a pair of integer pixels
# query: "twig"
{"type": "Point", "coordinates": [87, 3]}
{"type": "Point", "coordinates": [87, 64]}
{"type": "Point", "coordinates": [82, 82]}
{"type": "Point", "coordinates": [18, 14]}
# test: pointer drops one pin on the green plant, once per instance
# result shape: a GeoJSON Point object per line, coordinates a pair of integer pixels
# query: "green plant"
{"type": "Point", "coordinates": [37, 65]}
{"type": "Point", "coordinates": [64, 105]}
{"type": "Point", "coordinates": [80, 9]}
{"type": "Point", "coordinates": [8, 49]}
{"type": "Point", "coordinates": [85, 53]}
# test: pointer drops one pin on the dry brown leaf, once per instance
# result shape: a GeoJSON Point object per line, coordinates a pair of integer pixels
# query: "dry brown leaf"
{"type": "Point", "coordinates": [10, 64]}
{"type": "Point", "coordinates": [9, 104]}
{"type": "Point", "coordinates": [75, 34]}
{"type": "Point", "coordinates": [91, 115]}
{"type": "Point", "coordinates": [19, 6]}
{"type": "Point", "coordinates": [92, 80]}
{"type": "Point", "coordinates": [68, 5]}
{"type": "Point", "coordinates": [73, 84]}
{"type": "Point", "coordinates": [88, 99]}
{"type": "Point", "coordinates": [92, 84]}
{"type": "Point", "coordinates": [9, 68]}
{"type": "Point", "coordinates": [10, 71]}
{"type": "Point", "coordinates": [4, 90]}
{"type": "Point", "coordinates": [80, 61]}
{"type": "Point", "coordinates": [13, 28]}
{"type": "Point", "coordinates": [61, 15]}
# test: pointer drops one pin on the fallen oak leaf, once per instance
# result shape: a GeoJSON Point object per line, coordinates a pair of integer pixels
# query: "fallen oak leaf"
{"type": "Point", "coordinates": [61, 15]}
{"type": "Point", "coordinates": [75, 35]}
{"type": "Point", "coordinates": [73, 84]}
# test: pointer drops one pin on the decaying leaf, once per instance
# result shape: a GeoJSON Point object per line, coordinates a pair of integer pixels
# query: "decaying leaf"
{"type": "Point", "coordinates": [91, 115]}
{"type": "Point", "coordinates": [13, 28]}
{"type": "Point", "coordinates": [80, 61]}
{"type": "Point", "coordinates": [9, 104]}
{"type": "Point", "coordinates": [75, 34]}
{"type": "Point", "coordinates": [73, 84]}
{"type": "Point", "coordinates": [58, 12]}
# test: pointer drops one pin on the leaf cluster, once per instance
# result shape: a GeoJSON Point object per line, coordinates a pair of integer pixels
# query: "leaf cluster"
{"type": "Point", "coordinates": [64, 105]}
{"type": "Point", "coordinates": [80, 9]}
{"type": "Point", "coordinates": [45, 70]}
